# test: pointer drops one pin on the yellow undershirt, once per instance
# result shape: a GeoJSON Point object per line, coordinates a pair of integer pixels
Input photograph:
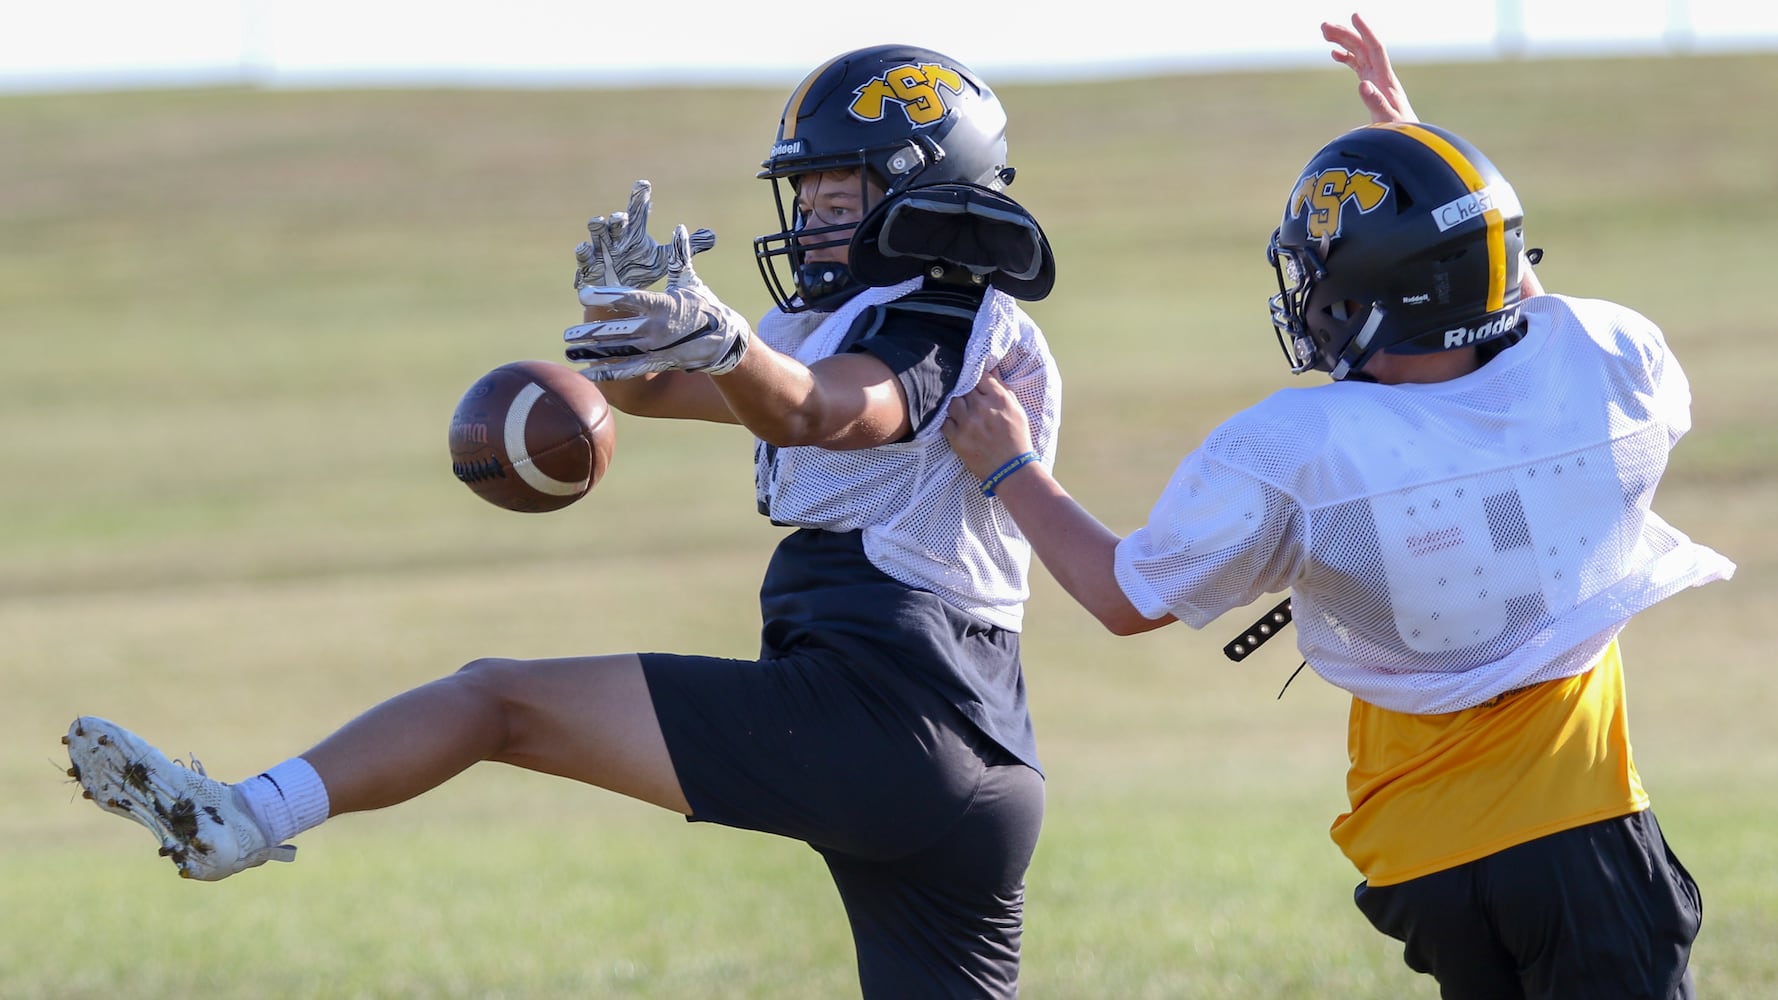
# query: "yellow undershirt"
{"type": "Point", "coordinates": [1430, 792]}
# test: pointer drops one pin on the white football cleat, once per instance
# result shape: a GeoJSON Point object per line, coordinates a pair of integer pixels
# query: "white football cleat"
{"type": "Point", "coordinates": [201, 823]}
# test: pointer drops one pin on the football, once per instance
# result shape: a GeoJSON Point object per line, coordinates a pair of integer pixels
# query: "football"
{"type": "Point", "coordinates": [532, 436]}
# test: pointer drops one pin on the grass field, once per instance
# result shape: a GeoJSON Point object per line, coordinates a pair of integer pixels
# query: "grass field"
{"type": "Point", "coordinates": [232, 328]}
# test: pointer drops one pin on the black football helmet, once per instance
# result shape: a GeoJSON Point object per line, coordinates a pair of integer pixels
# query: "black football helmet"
{"type": "Point", "coordinates": [908, 116]}
{"type": "Point", "coordinates": [1397, 237]}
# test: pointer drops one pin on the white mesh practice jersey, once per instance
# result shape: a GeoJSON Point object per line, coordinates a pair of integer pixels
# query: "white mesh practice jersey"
{"type": "Point", "coordinates": [1442, 543]}
{"type": "Point", "coordinates": [923, 517]}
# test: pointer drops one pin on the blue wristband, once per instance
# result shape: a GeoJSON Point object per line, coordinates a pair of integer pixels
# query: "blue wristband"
{"type": "Point", "coordinates": [1012, 465]}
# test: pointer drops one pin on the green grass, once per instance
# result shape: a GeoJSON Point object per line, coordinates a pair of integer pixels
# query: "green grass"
{"type": "Point", "coordinates": [232, 328]}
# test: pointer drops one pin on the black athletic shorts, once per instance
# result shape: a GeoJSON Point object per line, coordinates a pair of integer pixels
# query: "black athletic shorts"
{"type": "Point", "coordinates": [926, 824]}
{"type": "Point", "coordinates": [1600, 911]}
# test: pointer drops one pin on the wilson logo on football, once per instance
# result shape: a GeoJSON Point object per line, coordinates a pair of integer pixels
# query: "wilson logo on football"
{"type": "Point", "coordinates": [1324, 196]}
{"type": "Point", "coordinates": [917, 90]}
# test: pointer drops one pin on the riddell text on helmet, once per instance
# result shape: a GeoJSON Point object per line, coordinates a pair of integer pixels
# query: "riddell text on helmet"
{"type": "Point", "coordinates": [1498, 326]}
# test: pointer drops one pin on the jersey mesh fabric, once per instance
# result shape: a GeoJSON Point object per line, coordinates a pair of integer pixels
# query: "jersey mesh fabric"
{"type": "Point", "coordinates": [924, 519]}
{"type": "Point", "coordinates": [1443, 543]}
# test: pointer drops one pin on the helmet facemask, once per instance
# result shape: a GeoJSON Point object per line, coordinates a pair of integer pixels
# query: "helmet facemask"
{"type": "Point", "coordinates": [796, 283]}
{"type": "Point", "coordinates": [1317, 331]}
{"type": "Point", "coordinates": [1297, 269]}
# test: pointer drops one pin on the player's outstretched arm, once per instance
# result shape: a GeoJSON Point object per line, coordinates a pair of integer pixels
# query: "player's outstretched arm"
{"type": "Point", "coordinates": [683, 353]}
{"type": "Point", "coordinates": [1378, 87]}
{"type": "Point", "coordinates": [987, 428]}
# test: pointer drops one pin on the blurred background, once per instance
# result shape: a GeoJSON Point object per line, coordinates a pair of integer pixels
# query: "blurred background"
{"type": "Point", "coordinates": [279, 43]}
{"type": "Point", "coordinates": [252, 253]}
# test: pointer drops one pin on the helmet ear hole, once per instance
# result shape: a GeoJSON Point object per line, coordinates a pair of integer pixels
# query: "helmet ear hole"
{"type": "Point", "coordinates": [908, 160]}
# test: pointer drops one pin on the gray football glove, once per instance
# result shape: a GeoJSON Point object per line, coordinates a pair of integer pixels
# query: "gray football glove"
{"type": "Point", "coordinates": [682, 328]}
{"type": "Point", "coordinates": [619, 250]}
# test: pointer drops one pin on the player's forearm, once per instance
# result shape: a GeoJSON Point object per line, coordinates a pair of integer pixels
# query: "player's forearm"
{"type": "Point", "coordinates": [642, 397]}
{"type": "Point", "coordinates": [770, 393]}
{"type": "Point", "coordinates": [842, 402]}
{"type": "Point", "coordinates": [1073, 546]}
{"type": "Point", "coordinates": [678, 395]}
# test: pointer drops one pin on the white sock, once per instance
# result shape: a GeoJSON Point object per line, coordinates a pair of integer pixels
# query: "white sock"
{"type": "Point", "coordinates": [285, 800]}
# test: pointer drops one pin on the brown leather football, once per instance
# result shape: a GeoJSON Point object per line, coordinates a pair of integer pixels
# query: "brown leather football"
{"type": "Point", "coordinates": [532, 436]}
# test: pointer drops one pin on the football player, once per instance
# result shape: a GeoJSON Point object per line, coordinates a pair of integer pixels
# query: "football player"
{"type": "Point", "coordinates": [884, 721]}
{"type": "Point", "coordinates": [1462, 519]}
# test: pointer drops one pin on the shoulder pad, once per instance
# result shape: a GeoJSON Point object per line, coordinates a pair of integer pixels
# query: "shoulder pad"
{"type": "Point", "coordinates": [955, 225]}
{"type": "Point", "coordinates": [939, 304]}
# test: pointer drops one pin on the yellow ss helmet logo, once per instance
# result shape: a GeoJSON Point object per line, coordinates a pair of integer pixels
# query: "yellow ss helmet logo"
{"type": "Point", "coordinates": [1324, 195]}
{"type": "Point", "coordinates": [917, 89]}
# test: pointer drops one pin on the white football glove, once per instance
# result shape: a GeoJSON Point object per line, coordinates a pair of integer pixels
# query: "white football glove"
{"type": "Point", "coordinates": [682, 328]}
{"type": "Point", "coordinates": [619, 250]}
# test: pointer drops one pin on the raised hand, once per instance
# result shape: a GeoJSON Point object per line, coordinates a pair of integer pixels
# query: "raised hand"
{"type": "Point", "coordinates": [1378, 87]}
{"type": "Point", "coordinates": [632, 332]}
{"type": "Point", "coordinates": [618, 250]}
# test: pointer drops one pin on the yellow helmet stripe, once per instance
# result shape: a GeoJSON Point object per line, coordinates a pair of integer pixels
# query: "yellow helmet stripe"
{"type": "Point", "coordinates": [793, 109]}
{"type": "Point", "coordinates": [1472, 178]}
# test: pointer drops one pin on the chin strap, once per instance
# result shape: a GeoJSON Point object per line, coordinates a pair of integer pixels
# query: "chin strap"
{"type": "Point", "coordinates": [825, 284]}
{"type": "Point", "coordinates": [1357, 350]}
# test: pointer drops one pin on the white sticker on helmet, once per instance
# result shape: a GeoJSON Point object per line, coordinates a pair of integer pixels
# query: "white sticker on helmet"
{"type": "Point", "coordinates": [1455, 213]}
